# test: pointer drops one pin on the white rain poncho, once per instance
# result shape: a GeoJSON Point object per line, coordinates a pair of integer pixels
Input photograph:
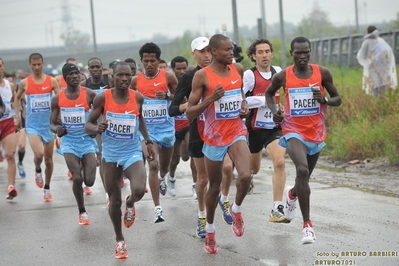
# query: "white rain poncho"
{"type": "Point", "coordinates": [378, 63]}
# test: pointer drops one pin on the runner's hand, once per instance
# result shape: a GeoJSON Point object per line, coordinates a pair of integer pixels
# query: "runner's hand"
{"type": "Point", "coordinates": [61, 131]}
{"type": "Point", "coordinates": [278, 117]}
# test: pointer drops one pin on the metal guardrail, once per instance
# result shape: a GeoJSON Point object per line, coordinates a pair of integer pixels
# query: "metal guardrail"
{"type": "Point", "coordinates": [342, 50]}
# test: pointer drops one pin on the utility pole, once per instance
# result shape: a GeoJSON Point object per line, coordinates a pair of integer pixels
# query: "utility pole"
{"type": "Point", "coordinates": [93, 27]}
{"type": "Point", "coordinates": [235, 22]}
{"type": "Point", "coordinates": [282, 36]}
{"type": "Point", "coordinates": [264, 28]}
{"type": "Point", "coordinates": [357, 17]}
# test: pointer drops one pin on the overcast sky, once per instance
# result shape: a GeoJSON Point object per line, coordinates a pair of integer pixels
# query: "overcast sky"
{"type": "Point", "coordinates": [37, 23]}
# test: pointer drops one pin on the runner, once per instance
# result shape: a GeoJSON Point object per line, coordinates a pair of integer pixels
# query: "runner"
{"type": "Point", "coordinates": [217, 92]}
{"type": "Point", "coordinates": [73, 104]}
{"type": "Point", "coordinates": [8, 137]}
{"type": "Point", "coordinates": [262, 131]}
{"type": "Point", "coordinates": [157, 86]}
{"type": "Point", "coordinates": [121, 108]}
{"type": "Point", "coordinates": [303, 123]}
{"type": "Point", "coordinates": [39, 89]}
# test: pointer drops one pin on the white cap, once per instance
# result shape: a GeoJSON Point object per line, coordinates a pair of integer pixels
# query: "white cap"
{"type": "Point", "coordinates": [199, 43]}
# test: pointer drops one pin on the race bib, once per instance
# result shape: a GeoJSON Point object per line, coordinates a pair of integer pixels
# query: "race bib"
{"type": "Point", "coordinates": [228, 107]}
{"type": "Point", "coordinates": [155, 111]}
{"type": "Point", "coordinates": [302, 103]}
{"type": "Point", "coordinates": [40, 102]}
{"type": "Point", "coordinates": [121, 126]}
{"type": "Point", "coordinates": [264, 118]}
{"type": "Point", "coordinates": [73, 117]}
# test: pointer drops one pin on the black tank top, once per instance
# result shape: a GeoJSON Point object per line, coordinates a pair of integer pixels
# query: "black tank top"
{"type": "Point", "coordinates": [102, 85]}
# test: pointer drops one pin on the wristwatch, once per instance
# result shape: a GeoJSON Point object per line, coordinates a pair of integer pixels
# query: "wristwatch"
{"type": "Point", "coordinates": [168, 94]}
{"type": "Point", "coordinates": [148, 141]}
{"type": "Point", "coordinates": [325, 100]}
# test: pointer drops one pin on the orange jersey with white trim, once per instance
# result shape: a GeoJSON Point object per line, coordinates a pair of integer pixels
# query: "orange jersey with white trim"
{"type": "Point", "coordinates": [303, 114]}
{"type": "Point", "coordinates": [222, 118]}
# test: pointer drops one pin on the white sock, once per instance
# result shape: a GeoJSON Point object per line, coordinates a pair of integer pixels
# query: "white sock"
{"type": "Point", "coordinates": [235, 208]}
{"type": "Point", "coordinates": [276, 204]}
{"type": "Point", "coordinates": [224, 198]}
{"type": "Point", "coordinates": [158, 207]}
{"type": "Point", "coordinates": [171, 178]}
{"type": "Point", "coordinates": [210, 228]}
{"type": "Point", "coordinates": [160, 177]}
{"type": "Point", "coordinates": [201, 214]}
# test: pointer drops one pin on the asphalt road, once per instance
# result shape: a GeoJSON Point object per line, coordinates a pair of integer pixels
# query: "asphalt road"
{"type": "Point", "coordinates": [349, 224]}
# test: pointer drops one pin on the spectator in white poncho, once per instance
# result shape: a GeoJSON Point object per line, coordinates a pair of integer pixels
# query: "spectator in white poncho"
{"type": "Point", "coordinates": [378, 61]}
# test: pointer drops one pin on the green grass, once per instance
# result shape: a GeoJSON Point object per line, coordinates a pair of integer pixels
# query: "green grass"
{"type": "Point", "coordinates": [363, 126]}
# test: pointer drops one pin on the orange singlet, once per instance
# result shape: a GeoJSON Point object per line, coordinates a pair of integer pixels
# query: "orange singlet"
{"type": "Point", "coordinates": [222, 118]}
{"type": "Point", "coordinates": [303, 114]}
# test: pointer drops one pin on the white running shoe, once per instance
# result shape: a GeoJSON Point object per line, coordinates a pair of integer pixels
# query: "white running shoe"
{"type": "Point", "coordinates": [308, 235]}
{"type": "Point", "coordinates": [158, 217]}
{"type": "Point", "coordinates": [171, 186]}
{"type": "Point", "coordinates": [290, 205]}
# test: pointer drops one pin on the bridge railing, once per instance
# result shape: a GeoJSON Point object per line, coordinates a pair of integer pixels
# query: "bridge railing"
{"type": "Point", "coordinates": [342, 50]}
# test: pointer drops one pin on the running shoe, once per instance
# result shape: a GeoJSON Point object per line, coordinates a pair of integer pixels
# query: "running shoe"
{"type": "Point", "coordinates": [69, 175]}
{"type": "Point", "coordinates": [158, 217]}
{"type": "Point", "coordinates": [225, 205]}
{"type": "Point", "coordinates": [39, 180]}
{"type": "Point", "coordinates": [171, 187]}
{"type": "Point", "coordinates": [194, 192]}
{"type": "Point", "coordinates": [11, 192]}
{"type": "Point", "coordinates": [210, 243]}
{"type": "Point", "coordinates": [162, 187]}
{"type": "Point", "coordinates": [21, 170]}
{"type": "Point", "coordinates": [47, 195]}
{"type": "Point", "coordinates": [120, 250]}
{"type": "Point", "coordinates": [308, 235]}
{"type": "Point", "coordinates": [84, 218]}
{"type": "Point", "coordinates": [277, 215]}
{"type": "Point", "coordinates": [238, 223]}
{"type": "Point", "coordinates": [251, 185]}
{"type": "Point", "coordinates": [201, 227]}
{"type": "Point", "coordinates": [87, 191]}
{"type": "Point", "coordinates": [290, 205]}
{"type": "Point", "coordinates": [130, 215]}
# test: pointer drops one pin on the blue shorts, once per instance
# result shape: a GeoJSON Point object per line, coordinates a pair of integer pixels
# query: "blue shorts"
{"type": "Point", "coordinates": [217, 153]}
{"type": "Point", "coordinates": [125, 162]}
{"type": "Point", "coordinates": [45, 134]}
{"type": "Point", "coordinates": [163, 139]}
{"type": "Point", "coordinates": [78, 147]}
{"type": "Point", "coordinates": [311, 147]}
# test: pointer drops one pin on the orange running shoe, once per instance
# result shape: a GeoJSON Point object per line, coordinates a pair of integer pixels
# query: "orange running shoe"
{"type": "Point", "coordinates": [87, 191]}
{"type": "Point", "coordinates": [39, 180]}
{"type": "Point", "coordinates": [130, 215]}
{"type": "Point", "coordinates": [120, 250]}
{"type": "Point", "coordinates": [11, 192]}
{"type": "Point", "coordinates": [210, 243]}
{"type": "Point", "coordinates": [238, 223]}
{"type": "Point", "coordinates": [47, 195]}
{"type": "Point", "coordinates": [84, 218]}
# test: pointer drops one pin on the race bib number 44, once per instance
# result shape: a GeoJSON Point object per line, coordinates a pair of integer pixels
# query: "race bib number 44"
{"type": "Point", "coordinates": [155, 111]}
{"type": "Point", "coordinates": [302, 103]}
{"type": "Point", "coordinates": [121, 126]}
{"type": "Point", "coordinates": [228, 107]}
{"type": "Point", "coordinates": [264, 118]}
